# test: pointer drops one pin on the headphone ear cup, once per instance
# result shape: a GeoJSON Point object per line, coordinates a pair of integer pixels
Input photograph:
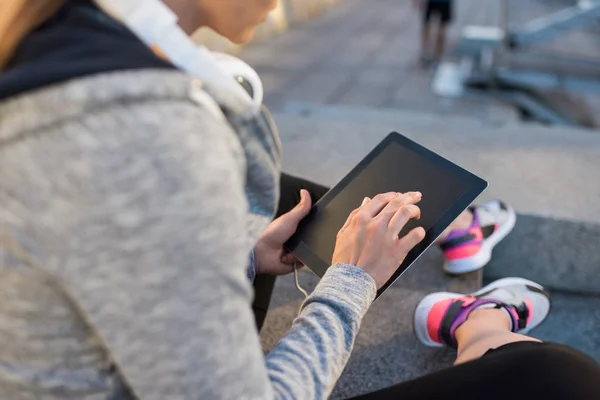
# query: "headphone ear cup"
{"type": "Point", "coordinates": [246, 85]}
{"type": "Point", "coordinates": [244, 75]}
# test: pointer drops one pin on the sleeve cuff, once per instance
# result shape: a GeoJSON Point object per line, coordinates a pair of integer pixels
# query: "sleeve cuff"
{"type": "Point", "coordinates": [348, 285]}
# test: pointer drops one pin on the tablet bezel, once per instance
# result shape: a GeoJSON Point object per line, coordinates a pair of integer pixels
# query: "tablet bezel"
{"type": "Point", "coordinates": [475, 184]}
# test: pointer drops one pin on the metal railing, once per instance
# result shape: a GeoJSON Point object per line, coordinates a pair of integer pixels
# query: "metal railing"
{"type": "Point", "coordinates": [549, 47]}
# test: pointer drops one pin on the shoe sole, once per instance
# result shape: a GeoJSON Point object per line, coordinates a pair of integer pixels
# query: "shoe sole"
{"type": "Point", "coordinates": [422, 310]}
{"type": "Point", "coordinates": [481, 259]}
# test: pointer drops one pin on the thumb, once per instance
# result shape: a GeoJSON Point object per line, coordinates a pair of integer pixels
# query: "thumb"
{"type": "Point", "coordinates": [285, 226]}
{"type": "Point", "coordinates": [301, 210]}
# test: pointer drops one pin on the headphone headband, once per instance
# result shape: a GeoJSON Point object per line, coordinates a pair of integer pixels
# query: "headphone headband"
{"type": "Point", "coordinates": [156, 25]}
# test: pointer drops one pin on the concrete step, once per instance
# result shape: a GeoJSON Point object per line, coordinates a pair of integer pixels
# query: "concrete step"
{"type": "Point", "coordinates": [386, 350]}
{"type": "Point", "coordinates": [561, 255]}
{"type": "Point", "coordinates": [550, 175]}
{"type": "Point", "coordinates": [494, 115]}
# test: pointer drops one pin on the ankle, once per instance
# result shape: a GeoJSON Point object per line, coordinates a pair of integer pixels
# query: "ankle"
{"type": "Point", "coordinates": [485, 329]}
{"type": "Point", "coordinates": [462, 223]}
{"type": "Point", "coordinates": [483, 320]}
{"type": "Point", "coordinates": [492, 317]}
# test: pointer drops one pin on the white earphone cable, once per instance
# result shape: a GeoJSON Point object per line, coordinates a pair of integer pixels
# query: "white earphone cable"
{"type": "Point", "coordinates": [298, 286]}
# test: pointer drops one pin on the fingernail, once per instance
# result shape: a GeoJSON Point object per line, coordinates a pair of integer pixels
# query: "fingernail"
{"type": "Point", "coordinates": [418, 194]}
{"type": "Point", "coordinates": [365, 201]}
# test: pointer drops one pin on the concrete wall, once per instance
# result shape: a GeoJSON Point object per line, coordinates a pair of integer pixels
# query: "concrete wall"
{"type": "Point", "coordinates": [287, 13]}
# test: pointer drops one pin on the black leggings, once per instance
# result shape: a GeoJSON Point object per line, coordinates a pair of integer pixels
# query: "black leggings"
{"type": "Point", "coordinates": [527, 371]}
{"type": "Point", "coordinates": [517, 371]}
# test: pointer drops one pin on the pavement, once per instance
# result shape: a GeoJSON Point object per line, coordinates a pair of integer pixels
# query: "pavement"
{"type": "Point", "coordinates": [364, 53]}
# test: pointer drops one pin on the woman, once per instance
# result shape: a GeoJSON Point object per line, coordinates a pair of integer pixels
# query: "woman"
{"type": "Point", "coordinates": [131, 205]}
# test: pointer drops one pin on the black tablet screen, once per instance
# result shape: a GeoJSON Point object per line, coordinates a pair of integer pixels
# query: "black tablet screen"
{"type": "Point", "coordinates": [396, 169]}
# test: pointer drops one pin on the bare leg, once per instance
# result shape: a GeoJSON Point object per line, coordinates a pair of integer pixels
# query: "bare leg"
{"type": "Point", "coordinates": [485, 329]}
{"type": "Point", "coordinates": [441, 42]}
{"type": "Point", "coordinates": [425, 37]}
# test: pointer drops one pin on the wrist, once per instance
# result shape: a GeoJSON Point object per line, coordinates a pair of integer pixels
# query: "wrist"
{"type": "Point", "coordinates": [257, 258]}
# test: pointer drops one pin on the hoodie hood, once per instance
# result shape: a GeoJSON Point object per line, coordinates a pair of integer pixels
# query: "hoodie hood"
{"type": "Point", "coordinates": [78, 41]}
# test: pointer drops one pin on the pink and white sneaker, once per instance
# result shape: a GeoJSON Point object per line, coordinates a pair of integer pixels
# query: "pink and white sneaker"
{"type": "Point", "coordinates": [439, 315]}
{"type": "Point", "coordinates": [471, 249]}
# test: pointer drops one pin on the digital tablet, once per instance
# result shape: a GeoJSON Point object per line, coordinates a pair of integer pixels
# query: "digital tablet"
{"type": "Point", "coordinates": [397, 164]}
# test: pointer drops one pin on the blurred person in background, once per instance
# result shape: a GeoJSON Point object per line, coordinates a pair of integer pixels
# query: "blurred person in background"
{"type": "Point", "coordinates": [442, 11]}
{"type": "Point", "coordinates": [138, 181]}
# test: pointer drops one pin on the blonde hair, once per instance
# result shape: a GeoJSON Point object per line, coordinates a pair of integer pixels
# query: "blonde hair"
{"type": "Point", "coordinates": [20, 17]}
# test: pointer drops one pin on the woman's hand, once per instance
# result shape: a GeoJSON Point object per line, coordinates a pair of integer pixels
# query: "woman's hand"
{"type": "Point", "coordinates": [369, 239]}
{"type": "Point", "coordinates": [269, 254]}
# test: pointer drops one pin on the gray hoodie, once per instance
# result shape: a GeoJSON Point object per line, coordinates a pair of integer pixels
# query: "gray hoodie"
{"type": "Point", "coordinates": [128, 213]}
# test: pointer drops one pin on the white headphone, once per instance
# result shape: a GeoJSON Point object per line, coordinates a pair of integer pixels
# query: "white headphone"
{"type": "Point", "coordinates": [156, 25]}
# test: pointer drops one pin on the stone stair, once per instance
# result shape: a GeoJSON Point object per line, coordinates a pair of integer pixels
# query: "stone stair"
{"type": "Point", "coordinates": [548, 174]}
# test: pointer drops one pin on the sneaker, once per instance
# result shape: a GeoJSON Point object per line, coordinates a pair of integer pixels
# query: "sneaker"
{"type": "Point", "coordinates": [438, 316]}
{"type": "Point", "coordinates": [471, 249]}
